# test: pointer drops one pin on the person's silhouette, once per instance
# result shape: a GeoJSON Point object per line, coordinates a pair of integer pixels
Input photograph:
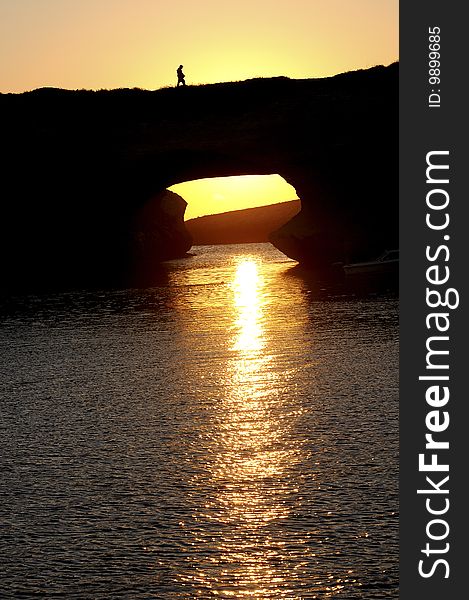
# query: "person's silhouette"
{"type": "Point", "coordinates": [181, 76]}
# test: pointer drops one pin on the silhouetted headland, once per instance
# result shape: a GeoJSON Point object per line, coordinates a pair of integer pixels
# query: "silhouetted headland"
{"type": "Point", "coordinates": [242, 226]}
{"type": "Point", "coordinates": [79, 167]}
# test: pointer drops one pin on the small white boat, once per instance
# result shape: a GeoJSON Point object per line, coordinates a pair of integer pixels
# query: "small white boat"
{"type": "Point", "coordinates": [386, 264]}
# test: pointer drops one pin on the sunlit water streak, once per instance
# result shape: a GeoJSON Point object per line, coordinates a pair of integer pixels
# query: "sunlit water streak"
{"type": "Point", "coordinates": [226, 434]}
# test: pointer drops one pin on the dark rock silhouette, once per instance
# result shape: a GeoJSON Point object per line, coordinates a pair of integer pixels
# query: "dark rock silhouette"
{"type": "Point", "coordinates": [157, 230]}
{"type": "Point", "coordinates": [78, 166]}
{"type": "Point", "coordinates": [242, 226]}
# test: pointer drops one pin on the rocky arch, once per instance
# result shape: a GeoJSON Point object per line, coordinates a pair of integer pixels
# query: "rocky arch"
{"type": "Point", "coordinates": [82, 166]}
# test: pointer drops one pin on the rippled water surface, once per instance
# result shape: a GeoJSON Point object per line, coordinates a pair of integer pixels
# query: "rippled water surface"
{"type": "Point", "coordinates": [229, 433]}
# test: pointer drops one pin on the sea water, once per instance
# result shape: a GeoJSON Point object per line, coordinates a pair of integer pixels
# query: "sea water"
{"type": "Point", "coordinates": [231, 432]}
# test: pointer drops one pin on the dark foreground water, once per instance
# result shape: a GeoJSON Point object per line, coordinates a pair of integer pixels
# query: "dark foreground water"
{"type": "Point", "coordinates": [227, 434]}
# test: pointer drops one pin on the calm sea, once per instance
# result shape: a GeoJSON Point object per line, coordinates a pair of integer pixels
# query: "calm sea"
{"type": "Point", "coordinates": [229, 433]}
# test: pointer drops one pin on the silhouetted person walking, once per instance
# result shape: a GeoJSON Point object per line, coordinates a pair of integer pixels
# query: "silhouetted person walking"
{"type": "Point", "coordinates": [181, 76]}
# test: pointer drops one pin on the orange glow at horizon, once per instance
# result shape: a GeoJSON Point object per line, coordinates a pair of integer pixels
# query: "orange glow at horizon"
{"type": "Point", "coordinates": [140, 43]}
{"type": "Point", "coordinates": [225, 194]}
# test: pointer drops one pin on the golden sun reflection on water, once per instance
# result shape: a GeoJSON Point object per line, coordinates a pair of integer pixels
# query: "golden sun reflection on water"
{"type": "Point", "coordinates": [253, 455]}
{"type": "Point", "coordinates": [247, 302]}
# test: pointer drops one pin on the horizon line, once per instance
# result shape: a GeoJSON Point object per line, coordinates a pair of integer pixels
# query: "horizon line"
{"type": "Point", "coordinates": [195, 85]}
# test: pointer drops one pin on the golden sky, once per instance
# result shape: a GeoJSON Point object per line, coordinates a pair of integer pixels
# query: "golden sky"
{"type": "Point", "coordinates": [97, 44]}
{"type": "Point", "coordinates": [139, 43]}
{"type": "Point", "coordinates": [222, 194]}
